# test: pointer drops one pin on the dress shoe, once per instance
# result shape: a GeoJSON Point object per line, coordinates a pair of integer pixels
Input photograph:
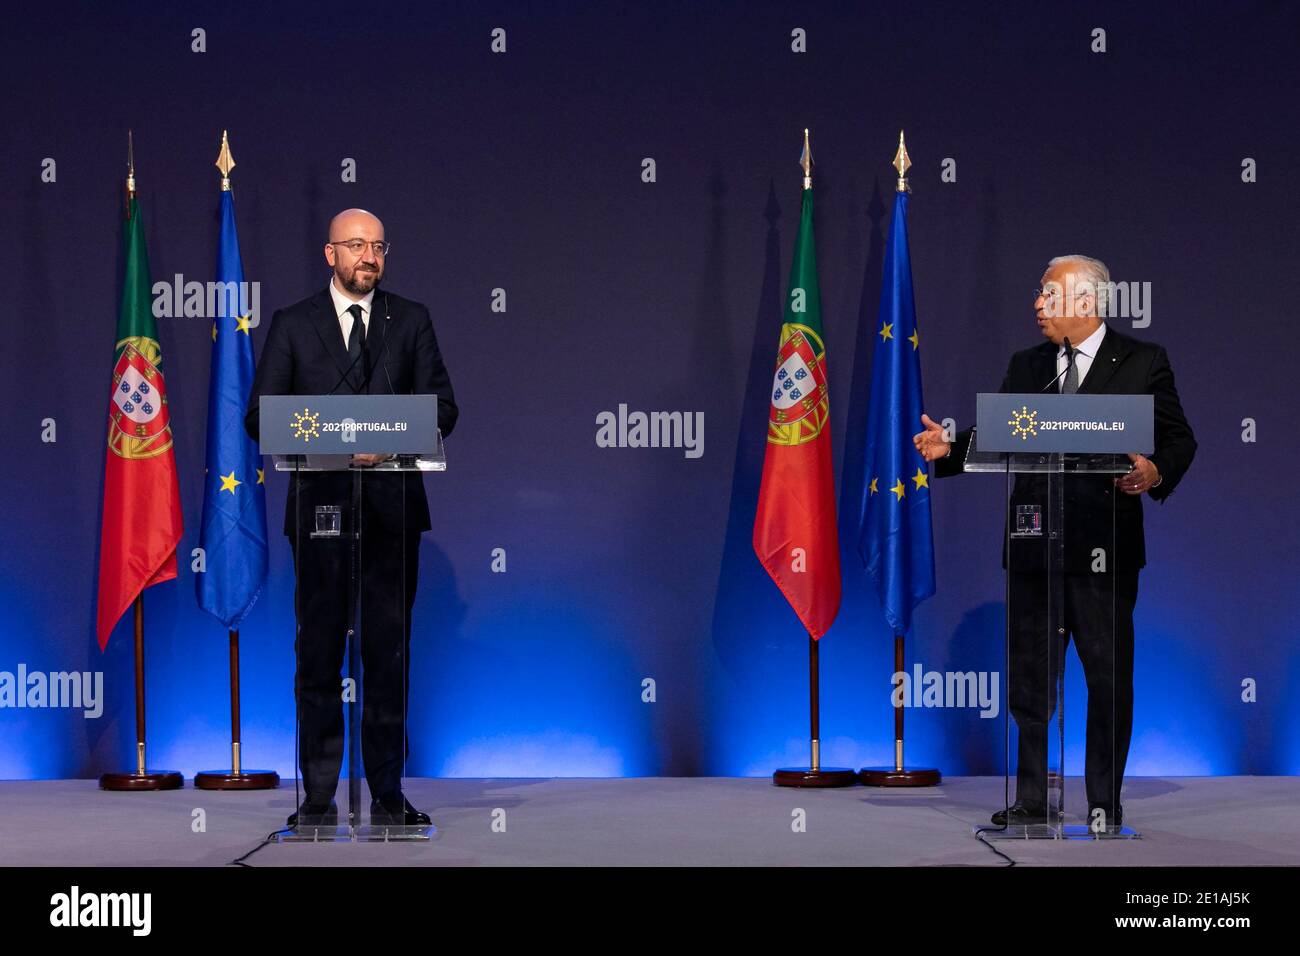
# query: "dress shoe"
{"type": "Point", "coordinates": [1019, 815]}
{"type": "Point", "coordinates": [397, 811]}
{"type": "Point", "coordinates": [315, 813]}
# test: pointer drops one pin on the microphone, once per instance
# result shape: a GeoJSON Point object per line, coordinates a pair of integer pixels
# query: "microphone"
{"type": "Point", "coordinates": [384, 350]}
{"type": "Point", "coordinates": [365, 350]}
{"type": "Point", "coordinates": [346, 373]}
{"type": "Point", "coordinates": [1069, 361]}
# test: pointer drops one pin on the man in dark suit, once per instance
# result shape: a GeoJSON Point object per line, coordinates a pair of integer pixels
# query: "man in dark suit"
{"type": "Point", "coordinates": [354, 338]}
{"type": "Point", "coordinates": [1101, 558]}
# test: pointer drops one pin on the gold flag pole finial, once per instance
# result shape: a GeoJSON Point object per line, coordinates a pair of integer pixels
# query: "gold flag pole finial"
{"type": "Point", "coordinates": [902, 162]}
{"type": "Point", "coordinates": [130, 165]}
{"type": "Point", "coordinates": [805, 160]}
{"type": "Point", "coordinates": [225, 162]}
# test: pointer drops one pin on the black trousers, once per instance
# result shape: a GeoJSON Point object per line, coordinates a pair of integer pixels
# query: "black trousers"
{"type": "Point", "coordinates": [388, 565]}
{"type": "Point", "coordinates": [1096, 611]}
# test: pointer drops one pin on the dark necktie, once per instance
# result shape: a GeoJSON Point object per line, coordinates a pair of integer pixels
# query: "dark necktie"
{"type": "Point", "coordinates": [1072, 376]}
{"type": "Point", "coordinates": [358, 333]}
{"type": "Point", "coordinates": [355, 338]}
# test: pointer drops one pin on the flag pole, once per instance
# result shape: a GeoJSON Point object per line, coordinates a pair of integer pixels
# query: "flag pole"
{"type": "Point", "coordinates": [813, 775]}
{"type": "Point", "coordinates": [814, 706]}
{"type": "Point", "coordinates": [236, 778]}
{"type": "Point", "coordinates": [898, 775]}
{"type": "Point", "coordinates": [140, 778]}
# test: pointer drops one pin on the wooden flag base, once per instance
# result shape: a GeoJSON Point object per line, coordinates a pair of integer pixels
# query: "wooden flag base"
{"type": "Point", "coordinates": [898, 775]}
{"type": "Point", "coordinates": [814, 775]}
{"type": "Point", "coordinates": [893, 777]}
{"type": "Point", "coordinates": [148, 780]}
{"type": "Point", "coordinates": [237, 780]}
{"type": "Point", "coordinates": [140, 778]}
{"type": "Point", "coordinates": [808, 777]}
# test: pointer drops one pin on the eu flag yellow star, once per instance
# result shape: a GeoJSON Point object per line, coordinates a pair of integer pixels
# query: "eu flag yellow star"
{"type": "Point", "coordinates": [886, 331]}
{"type": "Point", "coordinates": [228, 482]}
{"type": "Point", "coordinates": [261, 477]}
{"type": "Point", "coordinates": [241, 324]}
{"type": "Point", "coordinates": [915, 339]}
{"type": "Point", "coordinates": [899, 489]}
{"type": "Point", "coordinates": [921, 478]}
{"type": "Point", "coordinates": [872, 489]}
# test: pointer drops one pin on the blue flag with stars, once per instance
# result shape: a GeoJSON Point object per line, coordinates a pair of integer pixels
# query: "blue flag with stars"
{"type": "Point", "coordinates": [895, 540]}
{"type": "Point", "coordinates": [233, 536]}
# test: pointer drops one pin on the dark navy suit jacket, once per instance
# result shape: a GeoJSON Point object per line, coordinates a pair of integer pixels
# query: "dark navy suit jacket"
{"type": "Point", "coordinates": [1122, 365]}
{"type": "Point", "coordinates": [305, 354]}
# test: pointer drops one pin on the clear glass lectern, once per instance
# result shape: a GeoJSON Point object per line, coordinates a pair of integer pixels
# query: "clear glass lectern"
{"type": "Point", "coordinates": [354, 554]}
{"type": "Point", "coordinates": [1061, 583]}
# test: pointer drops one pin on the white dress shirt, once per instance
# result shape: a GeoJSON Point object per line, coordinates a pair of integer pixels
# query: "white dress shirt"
{"type": "Point", "coordinates": [1082, 359]}
{"type": "Point", "coordinates": [1087, 351]}
{"type": "Point", "coordinates": [341, 305]}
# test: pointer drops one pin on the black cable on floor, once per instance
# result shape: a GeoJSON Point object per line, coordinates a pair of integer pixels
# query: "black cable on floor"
{"type": "Point", "coordinates": [980, 835]}
{"type": "Point", "coordinates": [270, 838]}
{"type": "Point", "coordinates": [1006, 716]}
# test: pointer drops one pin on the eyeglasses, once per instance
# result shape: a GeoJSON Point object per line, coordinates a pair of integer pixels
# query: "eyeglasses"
{"type": "Point", "coordinates": [357, 246]}
{"type": "Point", "coordinates": [1055, 293]}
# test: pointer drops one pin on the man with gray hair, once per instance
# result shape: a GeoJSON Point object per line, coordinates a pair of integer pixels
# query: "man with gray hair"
{"type": "Point", "coordinates": [1070, 305]}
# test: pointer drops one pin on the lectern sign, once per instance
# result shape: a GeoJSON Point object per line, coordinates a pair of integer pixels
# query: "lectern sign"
{"type": "Point", "coordinates": [348, 424]}
{"type": "Point", "coordinates": [1051, 422]}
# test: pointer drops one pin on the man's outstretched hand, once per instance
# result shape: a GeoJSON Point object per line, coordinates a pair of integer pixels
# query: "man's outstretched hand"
{"type": "Point", "coordinates": [930, 443]}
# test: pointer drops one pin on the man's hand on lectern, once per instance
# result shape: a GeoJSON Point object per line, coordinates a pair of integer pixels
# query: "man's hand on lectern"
{"type": "Point", "coordinates": [930, 443]}
{"type": "Point", "coordinates": [1143, 476]}
{"type": "Point", "coordinates": [369, 459]}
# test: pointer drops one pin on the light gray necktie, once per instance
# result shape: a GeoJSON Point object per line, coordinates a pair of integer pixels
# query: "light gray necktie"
{"type": "Point", "coordinates": [1072, 376]}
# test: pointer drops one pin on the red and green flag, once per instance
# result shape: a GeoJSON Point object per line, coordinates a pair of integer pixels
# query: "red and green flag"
{"type": "Point", "coordinates": [142, 502]}
{"type": "Point", "coordinates": [794, 531]}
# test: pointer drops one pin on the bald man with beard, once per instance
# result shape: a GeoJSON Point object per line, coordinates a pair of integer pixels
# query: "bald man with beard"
{"type": "Point", "coordinates": [354, 337]}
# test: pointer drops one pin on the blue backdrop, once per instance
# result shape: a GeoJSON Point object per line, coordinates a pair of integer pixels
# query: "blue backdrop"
{"type": "Point", "coordinates": [523, 171]}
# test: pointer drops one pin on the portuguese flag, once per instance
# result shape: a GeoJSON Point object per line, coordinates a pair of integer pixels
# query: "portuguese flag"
{"type": "Point", "coordinates": [794, 530]}
{"type": "Point", "coordinates": [142, 500]}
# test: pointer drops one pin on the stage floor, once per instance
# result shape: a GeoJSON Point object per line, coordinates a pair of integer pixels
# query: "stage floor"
{"type": "Point", "coordinates": [658, 821]}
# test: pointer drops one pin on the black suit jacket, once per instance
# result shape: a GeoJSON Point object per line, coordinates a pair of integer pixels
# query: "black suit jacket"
{"type": "Point", "coordinates": [1124, 366]}
{"type": "Point", "coordinates": [305, 354]}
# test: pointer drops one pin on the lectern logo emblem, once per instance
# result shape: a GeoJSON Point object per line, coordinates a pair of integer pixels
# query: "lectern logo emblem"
{"type": "Point", "coordinates": [305, 425]}
{"type": "Point", "coordinates": [1024, 423]}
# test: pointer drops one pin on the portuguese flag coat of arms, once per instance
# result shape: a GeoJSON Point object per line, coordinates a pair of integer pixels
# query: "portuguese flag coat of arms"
{"type": "Point", "coordinates": [142, 521]}
{"type": "Point", "coordinates": [794, 530]}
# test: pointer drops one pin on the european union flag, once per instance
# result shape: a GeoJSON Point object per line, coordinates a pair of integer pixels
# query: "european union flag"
{"type": "Point", "coordinates": [895, 539]}
{"type": "Point", "coordinates": [233, 536]}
